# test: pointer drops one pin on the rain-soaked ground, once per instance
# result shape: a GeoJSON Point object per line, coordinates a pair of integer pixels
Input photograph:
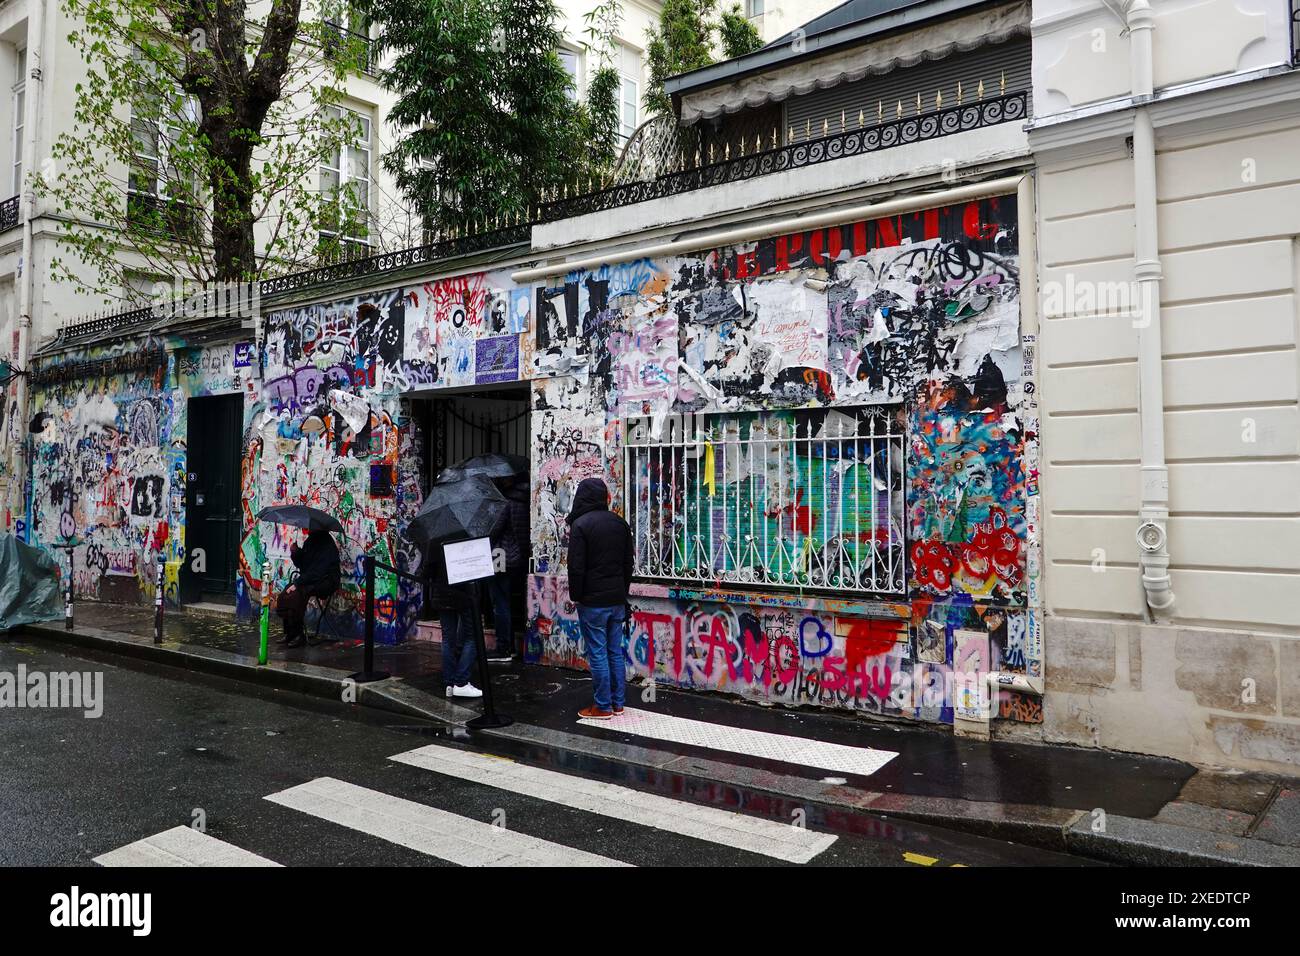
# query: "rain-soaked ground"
{"type": "Point", "coordinates": [176, 749]}
{"type": "Point", "coordinates": [930, 762]}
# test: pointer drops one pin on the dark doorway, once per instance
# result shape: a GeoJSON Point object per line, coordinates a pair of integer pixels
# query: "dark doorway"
{"type": "Point", "coordinates": [473, 423]}
{"type": "Point", "coordinates": [453, 427]}
{"type": "Point", "coordinates": [213, 503]}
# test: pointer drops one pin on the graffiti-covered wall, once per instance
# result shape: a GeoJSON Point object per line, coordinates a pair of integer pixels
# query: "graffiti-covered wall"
{"type": "Point", "coordinates": [108, 467]}
{"type": "Point", "coordinates": [917, 317]}
{"type": "Point", "coordinates": [890, 564]}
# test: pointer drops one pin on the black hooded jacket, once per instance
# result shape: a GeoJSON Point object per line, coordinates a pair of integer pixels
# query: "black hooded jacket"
{"type": "Point", "coordinates": [600, 549]}
{"type": "Point", "coordinates": [318, 563]}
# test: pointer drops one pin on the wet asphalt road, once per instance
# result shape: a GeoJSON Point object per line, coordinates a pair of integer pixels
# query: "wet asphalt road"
{"type": "Point", "coordinates": [171, 746]}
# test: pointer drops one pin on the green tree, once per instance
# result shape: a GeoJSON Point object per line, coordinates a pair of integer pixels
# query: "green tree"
{"type": "Point", "coordinates": [602, 107]}
{"type": "Point", "coordinates": [682, 42]}
{"type": "Point", "coordinates": [195, 123]}
{"type": "Point", "coordinates": [737, 33]}
{"type": "Point", "coordinates": [485, 115]}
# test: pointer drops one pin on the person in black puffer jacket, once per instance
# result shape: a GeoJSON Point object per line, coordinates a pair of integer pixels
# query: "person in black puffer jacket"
{"type": "Point", "coordinates": [600, 577]}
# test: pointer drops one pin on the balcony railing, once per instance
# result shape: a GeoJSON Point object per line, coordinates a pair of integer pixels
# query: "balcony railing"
{"type": "Point", "coordinates": [695, 171]}
{"type": "Point", "coordinates": [9, 210]}
{"type": "Point", "coordinates": [164, 217]}
{"type": "Point", "coordinates": [338, 41]}
{"type": "Point", "coordinates": [663, 163]}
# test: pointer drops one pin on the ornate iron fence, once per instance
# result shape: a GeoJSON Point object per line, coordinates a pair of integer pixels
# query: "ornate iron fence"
{"type": "Point", "coordinates": [661, 160]}
{"type": "Point", "coordinates": [698, 172]}
{"type": "Point", "coordinates": [446, 248]}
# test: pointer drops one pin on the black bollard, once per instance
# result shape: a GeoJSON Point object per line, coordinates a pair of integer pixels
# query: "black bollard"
{"type": "Point", "coordinates": [368, 674]}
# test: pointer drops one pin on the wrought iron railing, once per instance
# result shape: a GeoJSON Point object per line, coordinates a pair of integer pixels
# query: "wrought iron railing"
{"type": "Point", "coordinates": [337, 40]}
{"type": "Point", "coordinates": [447, 248]}
{"type": "Point", "coordinates": [164, 216]}
{"type": "Point", "coordinates": [649, 170]}
{"type": "Point", "coordinates": [805, 499]}
{"type": "Point", "coordinates": [9, 213]}
{"type": "Point", "coordinates": [700, 172]}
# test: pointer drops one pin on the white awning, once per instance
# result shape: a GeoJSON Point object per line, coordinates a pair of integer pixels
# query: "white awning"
{"type": "Point", "coordinates": [932, 42]}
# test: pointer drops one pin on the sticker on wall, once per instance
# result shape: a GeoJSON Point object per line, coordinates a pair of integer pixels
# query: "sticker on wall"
{"type": "Point", "coordinates": [496, 359]}
{"type": "Point", "coordinates": [521, 307]}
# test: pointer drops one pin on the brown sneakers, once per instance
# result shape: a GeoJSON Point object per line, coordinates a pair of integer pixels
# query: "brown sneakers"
{"type": "Point", "coordinates": [594, 713]}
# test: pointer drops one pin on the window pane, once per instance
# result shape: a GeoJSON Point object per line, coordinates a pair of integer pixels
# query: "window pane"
{"type": "Point", "coordinates": [570, 61]}
{"type": "Point", "coordinates": [629, 105]}
{"type": "Point", "coordinates": [145, 135]}
{"type": "Point", "coordinates": [358, 163]}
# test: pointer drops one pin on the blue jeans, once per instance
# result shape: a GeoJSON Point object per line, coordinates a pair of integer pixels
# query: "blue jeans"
{"type": "Point", "coordinates": [499, 590]}
{"type": "Point", "coordinates": [459, 649]}
{"type": "Point", "coordinates": [602, 633]}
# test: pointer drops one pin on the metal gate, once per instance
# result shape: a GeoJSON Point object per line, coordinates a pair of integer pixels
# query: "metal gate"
{"type": "Point", "coordinates": [472, 424]}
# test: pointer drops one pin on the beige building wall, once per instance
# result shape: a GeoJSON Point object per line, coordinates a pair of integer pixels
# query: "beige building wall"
{"type": "Point", "coordinates": [1216, 680]}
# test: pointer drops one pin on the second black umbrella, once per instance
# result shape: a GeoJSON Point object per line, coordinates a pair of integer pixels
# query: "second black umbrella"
{"type": "Point", "coordinates": [469, 508]}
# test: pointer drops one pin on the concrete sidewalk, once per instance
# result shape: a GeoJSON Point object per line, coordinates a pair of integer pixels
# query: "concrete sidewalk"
{"type": "Point", "coordinates": [1116, 807]}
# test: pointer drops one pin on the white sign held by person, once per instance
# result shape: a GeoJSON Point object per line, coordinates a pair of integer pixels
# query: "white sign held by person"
{"type": "Point", "coordinates": [469, 560]}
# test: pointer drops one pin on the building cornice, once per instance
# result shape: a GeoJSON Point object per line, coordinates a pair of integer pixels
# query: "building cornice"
{"type": "Point", "coordinates": [1213, 105]}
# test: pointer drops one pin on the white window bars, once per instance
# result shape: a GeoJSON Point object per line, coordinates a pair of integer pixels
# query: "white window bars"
{"type": "Point", "coordinates": [807, 498]}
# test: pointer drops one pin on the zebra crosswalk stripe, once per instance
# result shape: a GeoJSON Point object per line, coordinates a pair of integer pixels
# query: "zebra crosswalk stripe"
{"type": "Point", "coordinates": [181, 846]}
{"type": "Point", "coordinates": [781, 841]}
{"type": "Point", "coordinates": [862, 761]}
{"type": "Point", "coordinates": [428, 830]}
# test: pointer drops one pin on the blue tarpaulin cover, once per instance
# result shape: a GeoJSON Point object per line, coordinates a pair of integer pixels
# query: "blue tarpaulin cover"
{"type": "Point", "coordinates": [29, 584]}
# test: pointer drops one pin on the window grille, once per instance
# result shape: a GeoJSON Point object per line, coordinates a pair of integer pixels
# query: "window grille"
{"type": "Point", "coordinates": [809, 498]}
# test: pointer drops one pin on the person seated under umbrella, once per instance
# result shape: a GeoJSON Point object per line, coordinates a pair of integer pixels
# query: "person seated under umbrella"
{"type": "Point", "coordinates": [318, 576]}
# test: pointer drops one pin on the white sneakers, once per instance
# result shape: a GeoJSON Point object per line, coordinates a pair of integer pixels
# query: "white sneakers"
{"type": "Point", "coordinates": [466, 690]}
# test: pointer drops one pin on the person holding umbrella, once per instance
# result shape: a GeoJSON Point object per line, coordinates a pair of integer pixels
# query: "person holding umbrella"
{"type": "Point", "coordinates": [317, 561]}
{"type": "Point", "coordinates": [318, 576]}
{"type": "Point", "coordinates": [509, 473]}
{"type": "Point", "coordinates": [456, 607]}
{"type": "Point", "coordinates": [457, 510]}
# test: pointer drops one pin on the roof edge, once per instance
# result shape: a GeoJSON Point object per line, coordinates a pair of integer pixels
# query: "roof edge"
{"type": "Point", "coordinates": [774, 56]}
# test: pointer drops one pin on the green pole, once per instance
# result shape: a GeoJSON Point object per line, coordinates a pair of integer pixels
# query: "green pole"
{"type": "Point", "coordinates": [266, 611]}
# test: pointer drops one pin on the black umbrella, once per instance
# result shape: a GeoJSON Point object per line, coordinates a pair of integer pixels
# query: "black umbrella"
{"type": "Point", "coordinates": [469, 508]}
{"type": "Point", "coordinates": [300, 516]}
{"type": "Point", "coordinates": [492, 465]}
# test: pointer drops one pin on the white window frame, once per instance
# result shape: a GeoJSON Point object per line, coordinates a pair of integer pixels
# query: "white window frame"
{"type": "Point", "coordinates": [575, 89]}
{"type": "Point", "coordinates": [19, 101]}
{"type": "Point", "coordinates": [344, 177]}
{"type": "Point", "coordinates": [755, 8]}
{"type": "Point", "coordinates": [161, 187]}
{"type": "Point", "coordinates": [625, 129]}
